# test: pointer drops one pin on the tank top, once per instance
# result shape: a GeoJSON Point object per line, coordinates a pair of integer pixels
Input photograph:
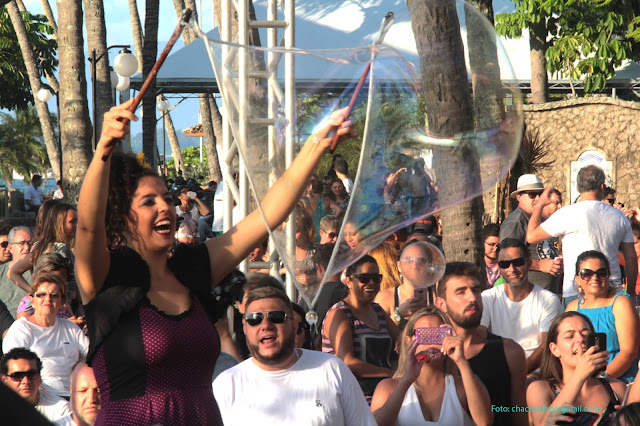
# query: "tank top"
{"type": "Point", "coordinates": [451, 411]}
{"type": "Point", "coordinates": [490, 365]}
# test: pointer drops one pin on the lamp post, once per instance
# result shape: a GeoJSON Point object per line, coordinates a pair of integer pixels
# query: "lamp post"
{"type": "Point", "coordinates": [163, 105]}
{"type": "Point", "coordinates": [125, 65]}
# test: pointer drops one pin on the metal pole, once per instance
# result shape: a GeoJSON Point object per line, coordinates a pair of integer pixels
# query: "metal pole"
{"type": "Point", "coordinates": [59, 133]}
{"type": "Point", "coordinates": [94, 114]}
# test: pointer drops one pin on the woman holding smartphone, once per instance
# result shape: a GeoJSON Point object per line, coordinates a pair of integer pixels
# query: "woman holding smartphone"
{"type": "Point", "coordinates": [434, 384]}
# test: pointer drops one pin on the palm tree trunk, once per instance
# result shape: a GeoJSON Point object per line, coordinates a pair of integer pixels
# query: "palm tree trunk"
{"type": "Point", "coordinates": [46, 7]}
{"type": "Point", "coordinates": [74, 109]}
{"type": "Point", "coordinates": [136, 29]}
{"type": "Point", "coordinates": [34, 79]}
{"type": "Point", "coordinates": [216, 118]}
{"type": "Point", "coordinates": [149, 56]}
{"type": "Point", "coordinates": [97, 40]}
{"type": "Point", "coordinates": [449, 112]}
{"type": "Point", "coordinates": [174, 143]}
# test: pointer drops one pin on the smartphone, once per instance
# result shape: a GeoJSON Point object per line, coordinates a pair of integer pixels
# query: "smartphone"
{"type": "Point", "coordinates": [432, 335]}
{"type": "Point", "coordinates": [420, 293]}
{"type": "Point", "coordinates": [585, 418]}
{"type": "Point", "coordinates": [597, 339]}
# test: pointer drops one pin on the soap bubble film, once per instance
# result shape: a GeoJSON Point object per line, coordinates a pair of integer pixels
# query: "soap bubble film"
{"type": "Point", "coordinates": [401, 163]}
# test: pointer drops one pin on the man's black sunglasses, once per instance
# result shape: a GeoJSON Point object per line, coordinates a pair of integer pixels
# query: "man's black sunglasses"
{"type": "Point", "coordinates": [275, 317]}
{"type": "Point", "coordinates": [504, 264]}
{"type": "Point", "coordinates": [18, 376]}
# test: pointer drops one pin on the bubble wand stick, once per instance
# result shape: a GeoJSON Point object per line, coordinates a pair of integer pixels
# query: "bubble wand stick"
{"type": "Point", "coordinates": [387, 21]}
{"type": "Point", "coordinates": [186, 16]}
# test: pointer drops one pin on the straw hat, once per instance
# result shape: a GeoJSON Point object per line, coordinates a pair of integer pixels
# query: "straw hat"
{"type": "Point", "coordinates": [528, 183]}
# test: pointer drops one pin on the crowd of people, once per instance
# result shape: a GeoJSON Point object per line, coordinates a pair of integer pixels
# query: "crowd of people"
{"type": "Point", "coordinates": [127, 310]}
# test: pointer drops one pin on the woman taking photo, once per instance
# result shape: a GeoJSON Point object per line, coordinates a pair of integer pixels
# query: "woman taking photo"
{"type": "Point", "coordinates": [158, 307]}
{"type": "Point", "coordinates": [568, 373]}
{"type": "Point", "coordinates": [610, 312]}
{"type": "Point", "coordinates": [58, 342]}
{"type": "Point", "coordinates": [426, 389]}
{"type": "Point", "coordinates": [358, 330]}
{"type": "Point", "coordinates": [190, 210]}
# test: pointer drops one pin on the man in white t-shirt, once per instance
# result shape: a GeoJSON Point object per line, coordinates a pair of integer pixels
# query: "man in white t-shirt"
{"type": "Point", "coordinates": [519, 309]}
{"type": "Point", "coordinates": [283, 385]}
{"type": "Point", "coordinates": [33, 195]}
{"type": "Point", "coordinates": [21, 372]}
{"type": "Point", "coordinates": [85, 398]}
{"type": "Point", "coordinates": [589, 224]}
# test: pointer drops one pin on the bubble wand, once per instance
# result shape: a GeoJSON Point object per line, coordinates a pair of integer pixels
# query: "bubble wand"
{"type": "Point", "coordinates": [186, 16]}
{"type": "Point", "coordinates": [387, 21]}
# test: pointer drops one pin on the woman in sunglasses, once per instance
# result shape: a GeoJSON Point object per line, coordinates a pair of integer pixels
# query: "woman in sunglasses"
{"type": "Point", "coordinates": [610, 311]}
{"type": "Point", "coordinates": [434, 384]}
{"type": "Point", "coordinates": [150, 314]}
{"type": "Point", "coordinates": [358, 330]}
{"type": "Point", "coordinates": [57, 341]}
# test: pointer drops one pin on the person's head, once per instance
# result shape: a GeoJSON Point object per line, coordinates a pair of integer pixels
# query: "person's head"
{"type": "Point", "coordinates": [20, 240]}
{"type": "Point", "coordinates": [43, 212]}
{"type": "Point", "coordinates": [305, 228]}
{"type": "Point", "coordinates": [591, 179]}
{"type": "Point", "coordinates": [635, 229]}
{"type": "Point", "coordinates": [337, 189]}
{"type": "Point", "coordinates": [459, 294]}
{"type": "Point", "coordinates": [425, 317]}
{"type": "Point", "coordinates": [321, 257]}
{"type": "Point", "coordinates": [59, 184]}
{"type": "Point", "coordinates": [303, 330]}
{"type": "Point", "coordinates": [269, 327]}
{"type": "Point", "coordinates": [59, 226]}
{"type": "Point", "coordinates": [48, 294]}
{"type": "Point", "coordinates": [609, 195]}
{"type": "Point", "coordinates": [629, 415]}
{"type": "Point", "coordinates": [5, 252]}
{"type": "Point", "coordinates": [256, 280]}
{"type": "Point", "coordinates": [141, 210]}
{"type": "Point", "coordinates": [84, 395]}
{"type": "Point", "coordinates": [592, 274]}
{"type": "Point", "coordinates": [386, 257]}
{"type": "Point", "coordinates": [528, 191]}
{"type": "Point", "coordinates": [52, 263]}
{"type": "Point", "coordinates": [554, 206]}
{"type": "Point", "coordinates": [181, 194]}
{"type": "Point", "coordinates": [566, 338]}
{"type": "Point", "coordinates": [36, 180]}
{"type": "Point", "coordinates": [363, 279]}
{"type": "Point", "coordinates": [415, 258]}
{"type": "Point", "coordinates": [514, 262]}
{"type": "Point", "coordinates": [491, 238]}
{"type": "Point", "coordinates": [21, 372]}
{"type": "Point", "coordinates": [351, 234]}
{"type": "Point", "coordinates": [259, 251]}
{"type": "Point", "coordinates": [329, 227]}
{"type": "Point", "coordinates": [341, 166]}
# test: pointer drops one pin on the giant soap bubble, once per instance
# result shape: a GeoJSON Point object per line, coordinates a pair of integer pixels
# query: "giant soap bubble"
{"type": "Point", "coordinates": [409, 165]}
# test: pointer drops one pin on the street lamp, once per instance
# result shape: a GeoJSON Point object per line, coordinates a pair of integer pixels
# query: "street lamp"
{"type": "Point", "coordinates": [163, 105]}
{"type": "Point", "coordinates": [125, 64]}
{"type": "Point", "coordinates": [44, 95]}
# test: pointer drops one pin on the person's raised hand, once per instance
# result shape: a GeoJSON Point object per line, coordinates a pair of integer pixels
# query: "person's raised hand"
{"type": "Point", "coordinates": [452, 347]}
{"type": "Point", "coordinates": [551, 266]}
{"type": "Point", "coordinates": [591, 360]}
{"type": "Point", "coordinates": [336, 124]}
{"type": "Point", "coordinates": [115, 125]}
{"type": "Point", "coordinates": [412, 366]}
{"type": "Point", "coordinates": [545, 197]}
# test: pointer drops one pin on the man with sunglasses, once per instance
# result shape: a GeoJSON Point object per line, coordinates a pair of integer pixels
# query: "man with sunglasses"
{"type": "Point", "coordinates": [19, 244]}
{"type": "Point", "coordinates": [20, 370]}
{"type": "Point", "coordinates": [589, 224]}
{"type": "Point", "coordinates": [329, 229]}
{"type": "Point", "coordinates": [544, 270]}
{"type": "Point", "coordinates": [5, 254]}
{"type": "Point", "coordinates": [519, 309]}
{"type": "Point", "coordinates": [284, 385]}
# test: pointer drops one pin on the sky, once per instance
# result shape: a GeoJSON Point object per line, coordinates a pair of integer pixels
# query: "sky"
{"type": "Point", "coordinates": [317, 14]}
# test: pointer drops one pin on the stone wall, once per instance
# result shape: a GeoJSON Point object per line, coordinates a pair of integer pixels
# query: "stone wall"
{"type": "Point", "coordinates": [608, 126]}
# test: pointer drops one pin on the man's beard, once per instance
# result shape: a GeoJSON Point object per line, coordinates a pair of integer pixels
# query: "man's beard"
{"type": "Point", "coordinates": [467, 322]}
{"type": "Point", "coordinates": [282, 354]}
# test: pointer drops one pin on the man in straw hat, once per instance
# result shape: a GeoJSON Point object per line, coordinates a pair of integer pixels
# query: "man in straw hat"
{"type": "Point", "coordinates": [546, 265]}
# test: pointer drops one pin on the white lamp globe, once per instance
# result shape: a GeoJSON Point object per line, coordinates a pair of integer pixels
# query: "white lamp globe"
{"type": "Point", "coordinates": [44, 95]}
{"type": "Point", "coordinates": [123, 83]}
{"type": "Point", "coordinates": [125, 63]}
{"type": "Point", "coordinates": [114, 79]}
{"type": "Point", "coordinates": [163, 105]}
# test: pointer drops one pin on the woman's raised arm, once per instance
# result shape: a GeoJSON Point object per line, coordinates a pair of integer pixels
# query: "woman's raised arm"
{"type": "Point", "coordinates": [92, 258]}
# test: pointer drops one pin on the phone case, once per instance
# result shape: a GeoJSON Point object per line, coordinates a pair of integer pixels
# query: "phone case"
{"type": "Point", "coordinates": [432, 335]}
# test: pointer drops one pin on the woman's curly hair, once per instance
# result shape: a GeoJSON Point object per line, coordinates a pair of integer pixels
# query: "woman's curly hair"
{"type": "Point", "coordinates": [124, 176]}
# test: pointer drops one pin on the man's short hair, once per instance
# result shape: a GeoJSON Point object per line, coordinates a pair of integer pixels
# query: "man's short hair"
{"type": "Point", "coordinates": [455, 269]}
{"type": "Point", "coordinates": [341, 166]}
{"type": "Point", "coordinates": [15, 229]}
{"type": "Point", "coordinates": [329, 222]}
{"type": "Point", "coordinates": [490, 230]}
{"type": "Point", "coordinates": [609, 191]}
{"type": "Point", "coordinates": [635, 230]}
{"type": "Point", "coordinates": [36, 177]}
{"type": "Point", "coordinates": [260, 279]}
{"type": "Point", "coordinates": [590, 178]}
{"type": "Point", "coordinates": [5, 227]}
{"type": "Point", "coordinates": [322, 254]}
{"type": "Point", "coordinates": [512, 242]}
{"type": "Point", "coordinates": [18, 353]}
{"type": "Point", "coordinates": [268, 293]}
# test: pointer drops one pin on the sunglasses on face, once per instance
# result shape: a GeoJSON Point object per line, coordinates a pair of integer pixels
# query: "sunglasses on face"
{"type": "Point", "coordinates": [533, 195]}
{"type": "Point", "coordinates": [4, 244]}
{"type": "Point", "coordinates": [610, 200]}
{"type": "Point", "coordinates": [504, 264]}
{"type": "Point", "coordinates": [18, 376]}
{"type": "Point", "coordinates": [366, 278]}
{"type": "Point", "coordinates": [42, 295]}
{"type": "Point", "coordinates": [587, 274]}
{"type": "Point", "coordinates": [331, 235]}
{"type": "Point", "coordinates": [275, 317]}
{"type": "Point", "coordinates": [416, 260]}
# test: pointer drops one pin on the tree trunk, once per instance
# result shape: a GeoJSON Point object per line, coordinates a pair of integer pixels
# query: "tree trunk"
{"type": "Point", "coordinates": [97, 40]}
{"type": "Point", "coordinates": [46, 8]}
{"type": "Point", "coordinates": [136, 29]}
{"type": "Point", "coordinates": [449, 112]}
{"type": "Point", "coordinates": [537, 51]}
{"type": "Point", "coordinates": [216, 118]}
{"type": "Point", "coordinates": [175, 144]}
{"type": "Point", "coordinates": [149, 56]}
{"type": "Point", "coordinates": [74, 109]}
{"type": "Point", "coordinates": [34, 79]}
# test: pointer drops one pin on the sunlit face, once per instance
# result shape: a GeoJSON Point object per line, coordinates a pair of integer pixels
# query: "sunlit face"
{"type": "Point", "coordinates": [572, 334]}
{"type": "Point", "coordinates": [27, 387]}
{"type": "Point", "coordinates": [514, 275]}
{"type": "Point", "coordinates": [152, 205]}
{"type": "Point", "coordinates": [5, 253]}
{"type": "Point", "coordinates": [351, 236]}
{"type": "Point", "coordinates": [85, 396]}
{"type": "Point", "coordinates": [490, 248]}
{"type": "Point", "coordinates": [412, 264]}
{"type": "Point", "coordinates": [47, 300]}
{"type": "Point", "coordinates": [337, 188]}
{"type": "Point", "coordinates": [597, 286]}
{"type": "Point", "coordinates": [364, 284]}
{"type": "Point", "coordinates": [554, 206]}
{"type": "Point", "coordinates": [71, 223]}
{"type": "Point", "coordinates": [526, 200]}
{"type": "Point", "coordinates": [463, 302]}
{"type": "Point", "coordinates": [328, 236]}
{"type": "Point", "coordinates": [21, 245]}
